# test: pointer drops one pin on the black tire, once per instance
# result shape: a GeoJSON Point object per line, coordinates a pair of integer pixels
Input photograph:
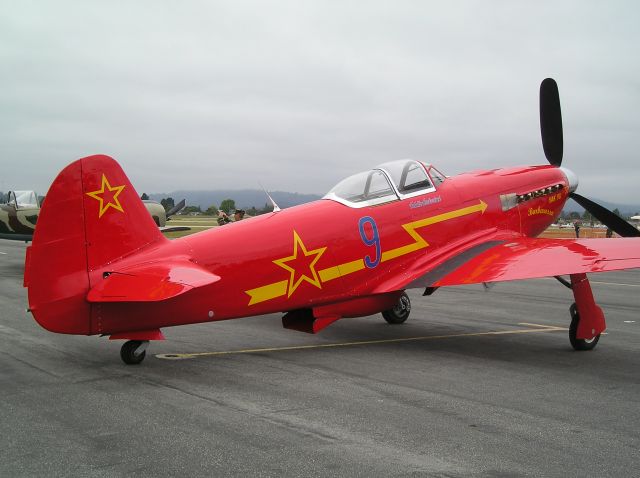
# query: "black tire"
{"type": "Point", "coordinates": [128, 355]}
{"type": "Point", "coordinates": [579, 344]}
{"type": "Point", "coordinates": [400, 312]}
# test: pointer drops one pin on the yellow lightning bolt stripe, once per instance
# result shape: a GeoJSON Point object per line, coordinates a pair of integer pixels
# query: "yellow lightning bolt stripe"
{"type": "Point", "coordinates": [267, 292]}
{"type": "Point", "coordinates": [342, 270]}
{"type": "Point", "coordinates": [420, 243]}
{"type": "Point", "coordinates": [279, 289]}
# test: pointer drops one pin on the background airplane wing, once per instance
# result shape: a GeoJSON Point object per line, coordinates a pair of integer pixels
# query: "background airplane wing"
{"type": "Point", "coordinates": [528, 258]}
{"type": "Point", "coordinates": [174, 229]}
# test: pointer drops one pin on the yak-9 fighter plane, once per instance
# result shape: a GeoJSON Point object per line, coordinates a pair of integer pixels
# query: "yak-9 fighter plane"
{"type": "Point", "coordinates": [107, 269]}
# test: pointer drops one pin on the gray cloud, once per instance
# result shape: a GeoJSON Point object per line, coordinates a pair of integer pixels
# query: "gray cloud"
{"type": "Point", "coordinates": [198, 95]}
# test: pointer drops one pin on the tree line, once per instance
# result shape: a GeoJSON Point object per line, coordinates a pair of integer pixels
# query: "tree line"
{"type": "Point", "coordinates": [587, 217]}
{"type": "Point", "coordinates": [227, 205]}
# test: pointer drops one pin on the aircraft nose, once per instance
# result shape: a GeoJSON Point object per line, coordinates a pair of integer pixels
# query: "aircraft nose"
{"type": "Point", "coordinates": [572, 178]}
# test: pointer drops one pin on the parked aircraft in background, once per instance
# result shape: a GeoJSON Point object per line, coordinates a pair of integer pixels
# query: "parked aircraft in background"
{"type": "Point", "coordinates": [160, 217]}
{"type": "Point", "coordinates": [19, 215]}
{"type": "Point", "coordinates": [401, 225]}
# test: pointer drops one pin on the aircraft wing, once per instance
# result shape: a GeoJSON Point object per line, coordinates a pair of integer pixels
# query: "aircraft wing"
{"type": "Point", "coordinates": [174, 229]}
{"type": "Point", "coordinates": [151, 282]}
{"type": "Point", "coordinates": [529, 258]}
{"type": "Point", "coordinates": [16, 237]}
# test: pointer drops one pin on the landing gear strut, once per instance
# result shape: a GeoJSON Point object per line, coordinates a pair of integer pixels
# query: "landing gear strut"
{"type": "Point", "coordinates": [587, 319]}
{"type": "Point", "coordinates": [579, 344]}
{"type": "Point", "coordinates": [400, 312]}
{"type": "Point", "coordinates": [134, 351]}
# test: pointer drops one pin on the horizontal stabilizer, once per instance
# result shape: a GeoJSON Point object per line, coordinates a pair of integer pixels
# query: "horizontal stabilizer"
{"type": "Point", "coordinates": [151, 282]}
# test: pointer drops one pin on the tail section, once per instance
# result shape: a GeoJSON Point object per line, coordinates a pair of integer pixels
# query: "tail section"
{"type": "Point", "coordinates": [116, 221]}
{"type": "Point", "coordinates": [92, 216]}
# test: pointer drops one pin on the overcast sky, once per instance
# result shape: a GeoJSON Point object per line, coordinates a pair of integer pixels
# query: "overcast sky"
{"type": "Point", "coordinates": [218, 94]}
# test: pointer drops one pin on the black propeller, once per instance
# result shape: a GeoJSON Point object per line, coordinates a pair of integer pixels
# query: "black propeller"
{"type": "Point", "coordinates": [606, 217]}
{"type": "Point", "coordinates": [551, 121]}
{"type": "Point", "coordinates": [552, 142]}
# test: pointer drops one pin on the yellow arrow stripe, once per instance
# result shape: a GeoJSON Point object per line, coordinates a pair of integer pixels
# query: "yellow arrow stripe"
{"type": "Point", "coordinates": [279, 289]}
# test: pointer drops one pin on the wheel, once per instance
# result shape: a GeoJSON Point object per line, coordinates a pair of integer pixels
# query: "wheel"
{"type": "Point", "coordinates": [400, 311]}
{"type": "Point", "coordinates": [133, 352]}
{"type": "Point", "coordinates": [579, 344]}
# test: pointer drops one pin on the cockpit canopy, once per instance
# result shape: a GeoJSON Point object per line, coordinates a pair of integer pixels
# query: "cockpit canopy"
{"type": "Point", "coordinates": [387, 182]}
{"type": "Point", "coordinates": [22, 199]}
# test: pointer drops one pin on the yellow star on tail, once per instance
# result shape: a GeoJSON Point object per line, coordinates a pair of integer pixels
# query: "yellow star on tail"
{"type": "Point", "coordinates": [112, 198]}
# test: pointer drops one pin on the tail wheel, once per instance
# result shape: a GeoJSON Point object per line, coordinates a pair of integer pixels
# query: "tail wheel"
{"type": "Point", "coordinates": [579, 344]}
{"type": "Point", "coordinates": [400, 312]}
{"type": "Point", "coordinates": [133, 351]}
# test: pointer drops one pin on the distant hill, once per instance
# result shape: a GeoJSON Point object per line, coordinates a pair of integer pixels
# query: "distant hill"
{"type": "Point", "coordinates": [244, 198]}
{"type": "Point", "coordinates": [625, 209]}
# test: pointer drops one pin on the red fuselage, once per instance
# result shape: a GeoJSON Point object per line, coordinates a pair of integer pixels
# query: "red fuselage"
{"type": "Point", "coordinates": [327, 254]}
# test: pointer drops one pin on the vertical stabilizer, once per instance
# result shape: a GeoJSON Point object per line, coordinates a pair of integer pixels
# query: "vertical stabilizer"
{"type": "Point", "coordinates": [116, 220]}
{"type": "Point", "coordinates": [91, 217]}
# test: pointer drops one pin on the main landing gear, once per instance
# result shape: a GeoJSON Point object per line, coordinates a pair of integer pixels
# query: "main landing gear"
{"type": "Point", "coordinates": [400, 312]}
{"type": "Point", "coordinates": [133, 352]}
{"type": "Point", "coordinates": [576, 343]}
{"type": "Point", "coordinates": [587, 319]}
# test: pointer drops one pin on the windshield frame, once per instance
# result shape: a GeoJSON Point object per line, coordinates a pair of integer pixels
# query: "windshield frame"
{"type": "Point", "coordinates": [367, 200]}
{"type": "Point", "coordinates": [18, 199]}
{"type": "Point", "coordinates": [401, 168]}
{"type": "Point", "coordinates": [386, 167]}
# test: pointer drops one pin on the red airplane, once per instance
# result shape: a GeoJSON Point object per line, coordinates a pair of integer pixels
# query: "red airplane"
{"type": "Point", "coordinates": [99, 265]}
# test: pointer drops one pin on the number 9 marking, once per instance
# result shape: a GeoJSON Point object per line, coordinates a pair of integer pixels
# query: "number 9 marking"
{"type": "Point", "coordinates": [373, 241]}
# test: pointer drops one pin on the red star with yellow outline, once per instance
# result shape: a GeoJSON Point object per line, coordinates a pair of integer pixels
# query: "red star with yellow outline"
{"type": "Point", "coordinates": [107, 192]}
{"type": "Point", "coordinates": [301, 264]}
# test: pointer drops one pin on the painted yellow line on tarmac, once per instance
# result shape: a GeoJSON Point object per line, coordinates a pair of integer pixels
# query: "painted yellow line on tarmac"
{"type": "Point", "coordinates": [538, 329]}
{"type": "Point", "coordinates": [541, 325]}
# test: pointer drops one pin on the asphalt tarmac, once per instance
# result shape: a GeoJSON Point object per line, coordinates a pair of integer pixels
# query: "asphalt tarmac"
{"type": "Point", "coordinates": [462, 389]}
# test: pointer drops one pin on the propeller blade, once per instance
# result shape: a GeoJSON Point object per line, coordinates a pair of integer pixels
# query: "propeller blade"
{"type": "Point", "coordinates": [551, 121]}
{"type": "Point", "coordinates": [606, 217]}
{"type": "Point", "coordinates": [175, 209]}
